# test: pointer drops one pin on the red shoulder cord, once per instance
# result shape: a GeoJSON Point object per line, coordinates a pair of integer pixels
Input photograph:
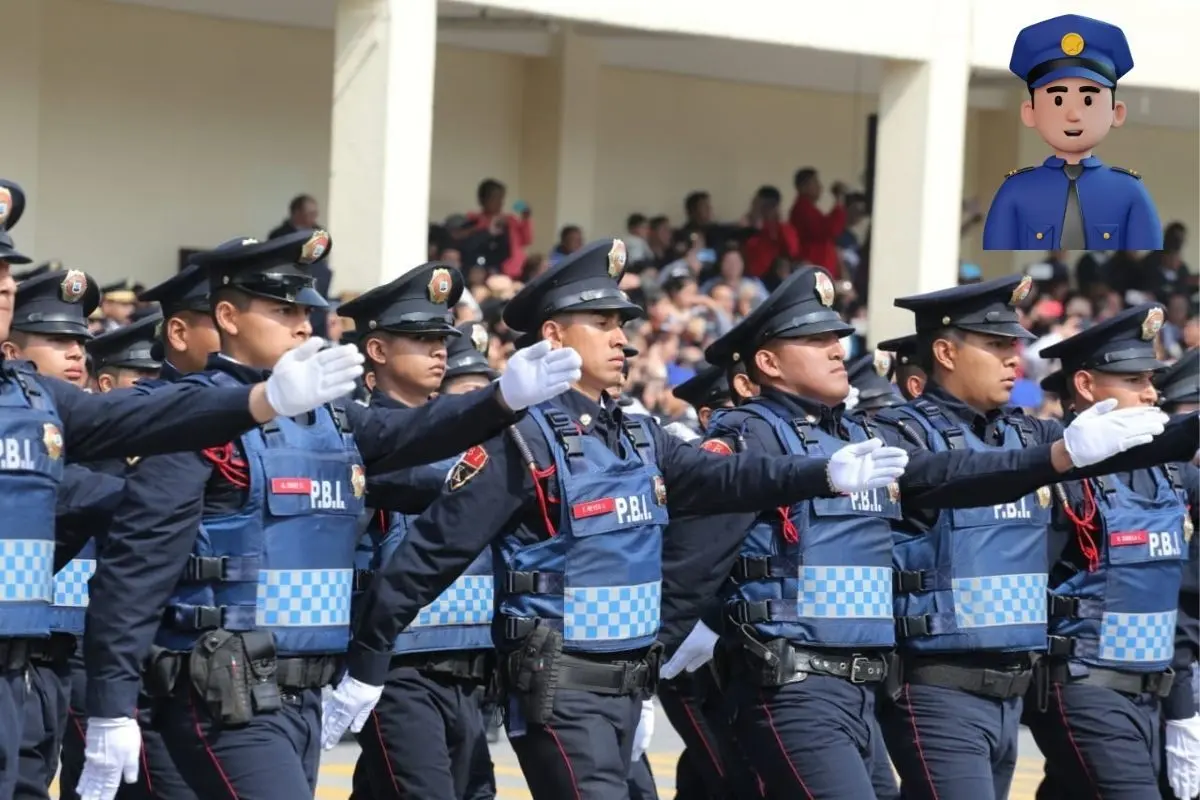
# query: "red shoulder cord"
{"type": "Point", "coordinates": [1085, 526]}
{"type": "Point", "coordinates": [233, 469]}
{"type": "Point", "coordinates": [788, 528]}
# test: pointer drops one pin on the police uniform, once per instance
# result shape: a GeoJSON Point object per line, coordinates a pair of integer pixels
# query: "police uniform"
{"type": "Point", "coordinates": [186, 290]}
{"type": "Point", "coordinates": [441, 664]}
{"type": "Point", "coordinates": [573, 502]}
{"type": "Point", "coordinates": [1072, 206]}
{"type": "Point", "coordinates": [904, 355]}
{"type": "Point", "coordinates": [46, 419]}
{"type": "Point", "coordinates": [250, 547]}
{"type": "Point", "coordinates": [869, 374]}
{"type": "Point", "coordinates": [970, 584]}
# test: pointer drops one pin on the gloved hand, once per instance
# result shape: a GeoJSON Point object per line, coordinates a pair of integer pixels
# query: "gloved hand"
{"type": "Point", "coordinates": [694, 653]}
{"type": "Point", "coordinates": [537, 373]}
{"type": "Point", "coordinates": [1104, 430]}
{"type": "Point", "coordinates": [347, 706]}
{"type": "Point", "coordinates": [851, 400]}
{"type": "Point", "coordinates": [1183, 756]}
{"type": "Point", "coordinates": [866, 465]}
{"type": "Point", "coordinates": [110, 756]}
{"type": "Point", "coordinates": [307, 377]}
{"type": "Point", "coordinates": [645, 730]}
{"type": "Point", "coordinates": [681, 431]}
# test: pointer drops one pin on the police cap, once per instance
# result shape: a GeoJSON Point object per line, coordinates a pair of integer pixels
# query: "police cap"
{"type": "Point", "coordinates": [988, 307]}
{"type": "Point", "coordinates": [1070, 46]}
{"type": "Point", "coordinates": [12, 206]}
{"type": "Point", "coordinates": [586, 280]}
{"type": "Point", "coordinates": [708, 388]}
{"type": "Point", "coordinates": [467, 353]}
{"type": "Point", "coordinates": [903, 350]}
{"type": "Point", "coordinates": [186, 290]}
{"type": "Point", "coordinates": [40, 269]}
{"type": "Point", "coordinates": [118, 292]}
{"type": "Point", "coordinates": [868, 373]}
{"type": "Point", "coordinates": [57, 302]}
{"type": "Point", "coordinates": [278, 269]}
{"type": "Point", "coordinates": [800, 306]}
{"type": "Point", "coordinates": [1179, 383]}
{"type": "Point", "coordinates": [418, 302]}
{"type": "Point", "coordinates": [130, 346]}
{"type": "Point", "coordinates": [629, 353]}
{"type": "Point", "coordinates": [1120, 344]}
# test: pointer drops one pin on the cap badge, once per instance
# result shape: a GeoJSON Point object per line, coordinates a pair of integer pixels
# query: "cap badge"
{"type": "Point", "coordinates": [1071, 44]}
{"type": "Point", "coordinates": [1152, 324]}
{"type": "Point", "coordinates": [316, 246]}
{"type": "Point", "coordinates": [883, 363]}
{"type": "Point", "coordinates": [479, 338]}
{"type": "Point", "coordinates": [824, 289]}
{"type": "Point", "coordinates": [52, 438]}
{"type": "Point", "coordinates": [358, 480]}
{"type": "Point", "coordinates": [1021, 292]}
{"type": "Point", "coordinates": [439, 285]}
{"type": "Point", "coordinates": [73, 286]}
{"type": "Point", "coordinates": [249, 241]}
{"type": "Point", "coordinates": [1043, 496]}
{"type": "Point", "coordinates": [6, 204]}
{"type": "Point", "coordinates": [660, 490]}
{"type": "Point", "coordinates": [158, 330]}
{"type": "Point", "coordinates": [616, 259]}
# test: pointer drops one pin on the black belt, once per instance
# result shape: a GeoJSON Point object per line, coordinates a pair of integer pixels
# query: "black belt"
{"type": "Point", "coordinates": [470, 665]}
{"type": "Point", "coordinates": [53, 651]}
{"type": "Point", "coordinates": [15, 653]}
{"type": "Point", "coordinates": [1001, 684]}
{"type": "Point", "coordinates": [311, 672]}
{"type": "Point", "coordinates": [611, 677]}
{"type": "Point", "coordinates": [1131, 683]}
{"type": "Point", "coordinates": [779, 662]}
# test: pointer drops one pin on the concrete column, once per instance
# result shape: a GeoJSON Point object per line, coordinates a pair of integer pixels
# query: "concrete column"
{"type": "Point", "coordinates": [919, 178]}
{"type": "Point", "coordinates": [384, 59]}
{"type": "Point", "coordinates": [20, 97]}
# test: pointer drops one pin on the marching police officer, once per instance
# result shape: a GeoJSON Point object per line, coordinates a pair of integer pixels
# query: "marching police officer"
{"type": "Point", "coordinates": [1117, 546]}
{"type": "Point", "coordinates": [188, 333]}
{"type": "Point", "coordinates": [869, 375]}
{"type": "Point", "coordinates": [905, 372]}
{"type": "Point", "coordinates": [250, 546]}
{"type": "Point", "coordinates": [807, 651]}
{"type": "Point", "coordinates": [970, 592]}
{"type": "Point", "coordinates": [441, 664]}
{"type": "Point", "coordinates": [573, 501]}
{"type": "Point", "coordinates": [1072, 201]}
{"type": "Point", "coordinates": [467, 364]}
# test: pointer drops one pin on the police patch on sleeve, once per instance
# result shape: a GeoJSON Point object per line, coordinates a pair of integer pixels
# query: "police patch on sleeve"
{"type": "Point", "coordinates": [718, 446]}
{"type": "Point", "coordinates": [470, 465]}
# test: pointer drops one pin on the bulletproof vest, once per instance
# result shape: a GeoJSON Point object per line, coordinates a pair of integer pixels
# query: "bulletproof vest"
{"type": "Point", "coordinates": [31, 467]}
{"type": "Point", "coordinates": [1121, 615]}
{"type": "Point", "coordinates": [817, 572]}
{"type": "Point", "coordinates": [599, 577]}
{"type": "Point", "coordinates": [69, 610]}
{"type": "Point", "coordinates": [283, 562]}
{"type": "Point", "coordinates": [977, 579]}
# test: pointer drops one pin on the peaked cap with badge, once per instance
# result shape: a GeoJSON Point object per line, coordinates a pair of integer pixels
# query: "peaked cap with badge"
{"type": "Point", "coordinates": [903, 350]}
{"type": "Point", "coordinates": [277, 269]}
{"type": "Point", "coordinates": [869, 374]}
{"type": "Point", "coordinates": [130, 346]}
{"type": "Point", "coordinates": [1070, 46]}
{"type": "Point", "coordinates": [708, 388]}
{"type": "Point", "coordinates": [467, 354]}
{"type": "Point", "coordinates": [56, 303]}
{"type": "Point", "coordinates": [1179, 384]}
{"type": "Point", "coordinates": [988, 307]}
{"type": "Point", "coordinates": [1122, 344]}
{"type": "Point", "coordinates": [12, 206]}
{"type": "Point", "coordinates": [418, 302]}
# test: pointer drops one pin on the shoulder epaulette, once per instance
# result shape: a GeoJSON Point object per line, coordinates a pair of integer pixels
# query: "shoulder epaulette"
{"type": "Point", "coordinates": [1012, 172]}
{"type": "Point", "coordinates": [1131, 173]}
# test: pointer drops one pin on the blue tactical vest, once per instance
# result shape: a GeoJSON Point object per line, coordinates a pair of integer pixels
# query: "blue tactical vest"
{"type": "Point", "coordinates": [69, 611]}
{"type": "Point", "coordinates": [599, 577]}
{"type": "Point", "coordinates": [833, 586]}
{"type": "Point", "coordinates": [283, 562]}
{"type": "Point", "coordinates": [31, 467]}
{"type": "Point", "coordinates": [977, 579]}
{"type": "Point", "coordinates": [1122, 615]}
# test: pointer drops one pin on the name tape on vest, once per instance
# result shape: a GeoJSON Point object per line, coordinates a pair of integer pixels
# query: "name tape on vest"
{"type": "Point", "coordinates": [631, 509]}
{"type": "Point", "coordinates": [1164, 544]}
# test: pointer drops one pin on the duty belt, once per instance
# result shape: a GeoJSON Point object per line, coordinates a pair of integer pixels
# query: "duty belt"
{"type": "Point", "coordinates": [1132, 683]}
{"type": "Point", "coordinates": [779, 662]}
{"type": "Point", "coordinates": [311, 672]}
{"type": "Point", "coordinates": [1001, 684]}
{"type": "Point", "coordinates": [15, 653]}
{"type": "Point", "coordinates": [471, 665]}
{"type": "Point", "coordinates": [608, 677]}
{"type": "Point", "coordinates": [54, 650]}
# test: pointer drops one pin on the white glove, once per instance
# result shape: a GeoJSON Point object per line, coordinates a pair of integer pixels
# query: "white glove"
{"type": "Point", "coordinates": [694, 653]}
{"type": "Point", "coordinates": [645, 730]}
{"type": "Point", "coordinates": [112, 752]}
{"type": "Point", "coordinates": [537, 373]}
{"type": "Point", "coordinates": [1183, 756]}
{"type": "Point", "coordinates": [866, 465]}
{"type": "Point", "coordinates": [347, 706]}
{"type": "Point", "coordinates": [307, 377]}
{"type": "Point", "coordinates": [851, 399]}
{"type": "Point", "coordinates": [681, 431]}
{"type": "Point", "coordinates": [1104, 430]}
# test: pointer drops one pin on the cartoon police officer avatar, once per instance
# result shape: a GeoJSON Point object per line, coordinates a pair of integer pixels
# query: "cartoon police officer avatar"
{"type": "Point", "coordinates": [1072, 201]}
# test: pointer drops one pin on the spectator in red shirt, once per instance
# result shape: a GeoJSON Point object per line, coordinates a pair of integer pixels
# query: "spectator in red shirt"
{"type": "Point", "coordinates": [818, 230]}
{"type": "Point", "coordinates": [499, 239]}
{"type": "Point", "coordinates": [773, 237]}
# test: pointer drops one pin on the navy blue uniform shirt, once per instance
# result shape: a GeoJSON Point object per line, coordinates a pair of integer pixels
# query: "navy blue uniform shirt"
{"type": "Point", "coordinates": [500, 499]}
{"type": "Point", "coordinates": [86, 501]}
{"type": "Point", "coordinates": [166, 497]}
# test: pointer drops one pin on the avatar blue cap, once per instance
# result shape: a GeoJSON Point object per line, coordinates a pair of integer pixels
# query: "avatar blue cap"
{"type": "Point", "coordinates": [467, 353]}
{"type": "Point", "coordinates": [12, 206]}
{"type": "Point", "coordinates": [1180, 382]}
{"type": "Point", "coordinates": [1070, 46]}
{"type": "Point", "coordinates": [1120, 344]}
{"type": "Point", "coordinates": [418, 302]}
{"type": "Point", "coordinates": [988, 307]}
{"type": "Point", "coordinates": [709, 388]}
{"type": "Point", "coordinates": [57, 303]}
{"type": "Point", "coordinates": [130, 346]}
{"type": "Point", "coordinates": [278, 269]}
{"type": "Point", "coordinates": [869, 374]}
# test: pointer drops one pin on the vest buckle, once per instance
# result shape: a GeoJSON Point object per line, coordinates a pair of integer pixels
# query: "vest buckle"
{"type": "Point", "coordinates": [206, 618]}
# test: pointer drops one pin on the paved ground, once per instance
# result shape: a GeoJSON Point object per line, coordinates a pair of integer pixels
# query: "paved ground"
{"type": "Point", "coordinates": [338, 765]}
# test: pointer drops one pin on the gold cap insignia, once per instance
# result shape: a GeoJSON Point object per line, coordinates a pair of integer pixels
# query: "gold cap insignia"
{"type": "Point", "coordinates": [824, 288]}
{"type": "Point", "coordinates": [158, 330]}
{"type": "Point", "coordinates": [893, 490]}
{"type": "Point", "coordinates": [479, 338]}
{"type": "Point", "coordinates": [316, 246]}
{"type": "Point", "coordinates": [1071, 44]}
{"type": "Point", "coordinates": [53, 440]}
{"type": "Point", "coordinates": [616, 259]}
{"type": "Point", "coordinates": [1152, 324]}
{"type": "Point", "coordinates": [660, 490]}
{"type": "Point", "coordinates": [1021, 292]}
{"type": "Point", "coordinates": [883, 363]}
{"type": "Point", "coordinates": [440, 284]}
{"type": "Point", "coordinates": [74, 286]}
{"type": "Point", "coordinates": [358, 480]}
{"type": "Point", "coordinates": [1043, 496]}
{"type": "Point", "coordinates": [249, 241]}
{"type": "Point", "coordinates": [1189, 529]}
{"type": "Point", "coordinates": [6, 205]}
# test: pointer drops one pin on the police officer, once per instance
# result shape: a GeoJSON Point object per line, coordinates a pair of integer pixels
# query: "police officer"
{"type": "Point", "coordinates": [970, 593]}
{"type": "Point", "coordinates": [806, 651]}
{"type": "Point", "coordinates": [905, 371]}
{"type": "Point", "coordinates": [574, 505]}
{"type": "Point", "coordinates": [46, 330]}
{"type": "Point", "coordinates": [1116, 551]}
{"type": "Point", "coordinates": [47, 419]}
{"type": "Point", "coordinates": [869, 375]}
{"type": "Point", "coordinates": [276, 509]}
{"type": "Point", "coordinates": [467, 364]}
{"type": "Point", "coordinates": [440, 665]}
{"type": "Point", "coordinates": [188, 333]}
{"type": "Point", "coordinates": [1072, 201]}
